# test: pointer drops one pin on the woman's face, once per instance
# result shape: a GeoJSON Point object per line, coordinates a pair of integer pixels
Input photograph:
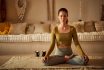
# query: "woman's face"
{"type": "Point", "coordinates": [63, 17]}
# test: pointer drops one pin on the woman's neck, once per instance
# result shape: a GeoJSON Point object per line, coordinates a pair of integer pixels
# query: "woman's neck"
{"type": "Point", "coordinates": [63, 28]}
{"type": "Point", "coordinates": [63, 24]}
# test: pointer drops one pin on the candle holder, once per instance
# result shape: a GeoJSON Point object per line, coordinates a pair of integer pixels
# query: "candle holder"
{"type": "Point", "coordinates": [40, 53]}
{"type": "Point", "coordinates": [37, 53]}
{"type": "Point", "coordinates": [43, 53]}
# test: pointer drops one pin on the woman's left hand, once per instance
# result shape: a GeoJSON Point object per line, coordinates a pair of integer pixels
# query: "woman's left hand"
{"type": "Point", "coordinates": [86, 59]}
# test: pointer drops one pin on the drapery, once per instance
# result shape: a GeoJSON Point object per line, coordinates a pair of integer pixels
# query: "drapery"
{"type": "Point", "coordinates": [2, 10]}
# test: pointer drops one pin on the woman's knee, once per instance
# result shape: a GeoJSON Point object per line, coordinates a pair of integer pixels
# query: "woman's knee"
{"type": "Point", "coordinates": [82, 61]}
{"type": "Point", "coordinates": [77, 60]}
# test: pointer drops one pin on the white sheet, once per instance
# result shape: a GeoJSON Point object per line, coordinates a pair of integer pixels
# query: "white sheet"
{"type": "Point", "coordinates": [91, 36]}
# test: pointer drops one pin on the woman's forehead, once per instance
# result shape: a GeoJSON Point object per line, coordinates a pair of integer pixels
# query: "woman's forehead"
{"type": "Point", "coordinates": [62, 13]}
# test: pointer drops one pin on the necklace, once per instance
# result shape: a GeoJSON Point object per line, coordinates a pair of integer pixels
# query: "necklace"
{"type": "Point", "coordinates": [64, 27]}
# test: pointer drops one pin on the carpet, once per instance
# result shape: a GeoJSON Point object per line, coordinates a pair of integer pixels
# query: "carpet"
{"type": "Point", "coordinates": [30, 62]}
{"type": "Point", "coordinates": [80, 68]}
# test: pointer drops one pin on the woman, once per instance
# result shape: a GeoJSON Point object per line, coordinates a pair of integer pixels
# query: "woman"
{"type": "Point", "coordinates": [62, 35]}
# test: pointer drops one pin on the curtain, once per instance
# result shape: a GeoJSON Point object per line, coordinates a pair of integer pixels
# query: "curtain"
{"type": "Point", "coordinates": [2, 10]}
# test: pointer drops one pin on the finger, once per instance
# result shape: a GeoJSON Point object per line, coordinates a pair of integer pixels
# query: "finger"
{"type": "Point", "coordinates": [43, 60]}
{"type": "Point", "coordinates": [86, 61]}
{"type": "Point", "coordinates": [46, 58]}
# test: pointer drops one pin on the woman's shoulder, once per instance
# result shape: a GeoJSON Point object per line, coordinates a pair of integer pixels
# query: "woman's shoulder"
{"type": "Point", "coordinates": [72, 27]}
{"type": "Point", "coordinates": [55, 28]}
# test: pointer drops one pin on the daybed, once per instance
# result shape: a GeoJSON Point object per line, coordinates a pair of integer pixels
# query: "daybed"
{"type": "Point", "coordinates": [27, 38]}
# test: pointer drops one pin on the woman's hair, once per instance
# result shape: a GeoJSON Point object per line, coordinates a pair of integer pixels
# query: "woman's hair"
{"type": "Point", "coordinates": [63, 9]}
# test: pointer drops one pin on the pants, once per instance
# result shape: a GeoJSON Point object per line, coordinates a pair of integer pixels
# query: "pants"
{"type": "Point", "coordinates": [55, 60]}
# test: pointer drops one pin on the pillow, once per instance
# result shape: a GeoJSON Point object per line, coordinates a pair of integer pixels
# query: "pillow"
{"type": "Point", "coordinates": [79, 25]}
{"type": "Point", "coordinates": [30, 28]}
{"type": "Point", "coordinates": [89, 26]}
{"type": "Point", "coordinates": [53, 24]}
{"type": "Point", "coordinates": [4, 28]}
{"type": "Point", "coordinates": [18, 28]}
{"type": "Point", "coordinates": [99, 26]}
{"type": "Point", "coordinates": [42, 27]}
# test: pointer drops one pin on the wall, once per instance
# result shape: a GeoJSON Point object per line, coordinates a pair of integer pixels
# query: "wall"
{"type": "Point", "coordinates": [71, 5]}
{"type": "Point", "coordinates": [93, 10]}
{"type": "Point", "coordinates": [88, 10]}
{"type": "Point", "coordinates": [11, 11]}
{"type": "Point", "coordinates": [39, 10]}
{"type": "Point", "coordinates": [36, 10]}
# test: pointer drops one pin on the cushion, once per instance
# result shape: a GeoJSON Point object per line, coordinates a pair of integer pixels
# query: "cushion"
{"type": "Point", "coordinates": [53, 24]}
{"type": "Point", "coordinates": [79, 25]}
{"type": "Point", "coordinates": [89, 26]}
{"type": "Point", "coordinates": [30, 28]}
{"type": "Point", "coordinates": [4, 28]}
{"type": "Point", "coordinates": [42, 27]}
{"type": "Point", "coordinates": [18, 28]}
{"type": "Point", "coordinates": [99, 26]}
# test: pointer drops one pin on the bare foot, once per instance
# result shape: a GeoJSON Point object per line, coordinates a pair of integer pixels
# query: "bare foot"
{"type": "Point", "coordinates": [66, 57]}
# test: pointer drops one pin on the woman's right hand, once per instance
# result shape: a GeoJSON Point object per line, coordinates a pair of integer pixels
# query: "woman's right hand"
{"type": "Point", "coordinates": [86, 59]}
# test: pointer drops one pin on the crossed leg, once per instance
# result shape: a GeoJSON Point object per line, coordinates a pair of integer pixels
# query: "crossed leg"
{"type": "Point", "coordinates": [55, 60]}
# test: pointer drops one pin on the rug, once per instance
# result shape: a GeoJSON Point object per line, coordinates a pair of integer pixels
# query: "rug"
{"type": "Point", "coordinates": [30, 62]}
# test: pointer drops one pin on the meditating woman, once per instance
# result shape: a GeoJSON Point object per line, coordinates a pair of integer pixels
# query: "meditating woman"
{"type": "Point", "coordinates": [62, 35]}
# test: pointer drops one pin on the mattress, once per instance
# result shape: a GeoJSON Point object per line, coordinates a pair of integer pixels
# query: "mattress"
{"type": "Point", "coordinates": [86, 36]}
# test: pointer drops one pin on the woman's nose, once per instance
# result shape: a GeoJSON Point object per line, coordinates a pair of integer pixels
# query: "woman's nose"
{"type": "Point", "coordinates": [62, 17]}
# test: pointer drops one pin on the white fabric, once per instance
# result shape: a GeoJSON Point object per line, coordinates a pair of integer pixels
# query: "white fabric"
{"type": "Point", "coordinates": [86, 36]}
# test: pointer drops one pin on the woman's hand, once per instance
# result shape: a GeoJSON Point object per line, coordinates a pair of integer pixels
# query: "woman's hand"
{"type": "Point", "coordinates": [86, 59]}
{"type": "Point", "coordinates": [45, 58]}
